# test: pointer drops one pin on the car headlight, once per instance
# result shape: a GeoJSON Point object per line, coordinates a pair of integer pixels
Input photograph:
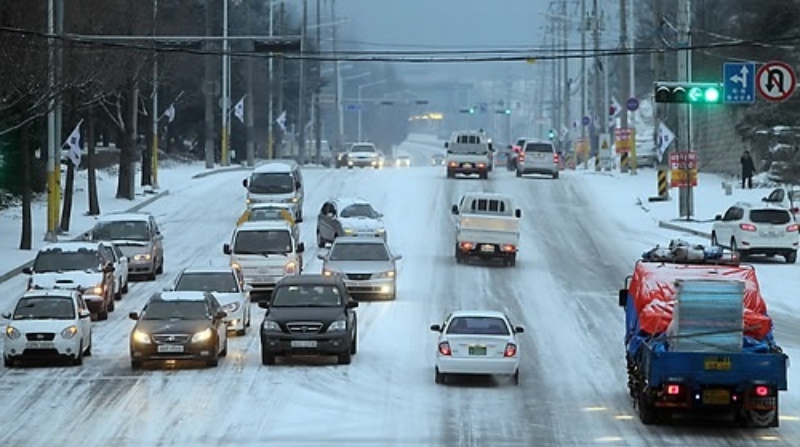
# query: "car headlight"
{"type": "Point", "coordinates": [291, 200]}
{"type": "Point", "coordinates": [141, 337]}
{"type": "Point", "coordinates": [381, 230]}
{"type": "Point", "coordinates": [203, 335]}
{"type": "Point", "coordinates": [12, 332]}
{"type": "Point", "coordinates": [270, 325]}
{"type": "Point", "coordinates": [290, 268]}
{"type": "Point", "coordinates": [232, 307]}
{"type": "Point", "coordinates": [389, 274]}
{"type": "Point", "coordinates": [97, 290]}
{"type": "Point", "coordinates": [326, 272]}
{"type": "Point", "coordinates": [142, 257]}
{"type": "Point", "coordinates": [236, 265]}
{"type": "Point", "coordinates": [338, 325]}
{"type": "Point", "coordinates": [349, 231]}
{"type": "Point", "coordinates": [69, 332]}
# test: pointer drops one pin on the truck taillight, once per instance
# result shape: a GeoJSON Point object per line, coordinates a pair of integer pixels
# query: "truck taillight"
{"type": "Point", "coordinates": [747, 227]}
{"type": "Point", "coordinates": [481, 165]}
{"type": "Point", "coordinates": [511, 350]}
{"type": "Point", "coordinates": [467, 246]}
{"type": "Point", "coordinates": [762, 391]}
{"type": "Point", "coordinates": [673, 389]}
{"type": "Point", "coordinates": [555, 158]}
{"type": "Point", "coordinates": [792, 228]}
{"type": "Point", "coordinates": [521, 157]}
{"type": "Point", "coordinates": [508, 248]}
{"type": "Point", "coordinates": [444, 348]}
{"type": "Point", "coordinates": [453, 164]}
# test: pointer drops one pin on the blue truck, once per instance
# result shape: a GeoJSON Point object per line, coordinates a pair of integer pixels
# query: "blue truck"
{"type": "Point", "coordinates": [689, 351]}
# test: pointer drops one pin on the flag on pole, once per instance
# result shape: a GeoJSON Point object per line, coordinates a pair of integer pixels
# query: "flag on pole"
{"type": "Point", "coordinates": [238, 110]}
{"type": "Point", "coordinates": [74, 144]}
{"type": "Point", "coordinates": [281, 121]}
{"type": "Point", "coordinates": [170, 113]}
{"type": "Point", "coordinates": [665, 138]}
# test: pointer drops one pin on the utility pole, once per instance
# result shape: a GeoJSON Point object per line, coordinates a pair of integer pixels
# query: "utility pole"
{"type": "Point", "coordinates": [271, 76]}
{"type": "Point", "coordinates": [301, 122]}
{"type": "Point", "coordinates": [624, 84]}
{"type": "Point", "coordinates": [249, 110]}
{"type": "Point", "coordinates": [278, 80]}
{"type": "Point", "coordinates": [53, 188]}
{"type": "Point", "coordinates": [684, 18]}
{"type": "Point", "coordinates": [209, 88]}
{"type": "Point", "coordinates": [226, 99]}
{"type": "Point", "coordinates": [584, 77]}
{"type": "Point", "coordinates": [337, 86]}
{"type": "Point", "coordinates": [554, 105]}
{"type": "Point", "coordinates": [153, 180]}
{"type": "Point", "coordinates": [599, 105]}
{"type": "Point", "coordinates": [567, 82]}
{"type": "Point", "coordinates": [317, 120]}
{"type": "Point", "coordinates": [59, 104]}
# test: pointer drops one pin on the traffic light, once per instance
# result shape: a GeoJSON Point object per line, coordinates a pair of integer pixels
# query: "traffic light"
{"type": "Point", "coordinates": [508, 111]}
{"type": "Point", "coordinates": [551, 134]}
{"type": "Point", "coordinates": [689, 92]}
{"type": "Point", "coordinates": [472, 110]}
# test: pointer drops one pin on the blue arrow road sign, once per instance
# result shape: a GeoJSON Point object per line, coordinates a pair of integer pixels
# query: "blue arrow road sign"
{"type": "Point", "coordinates": [739, 82]}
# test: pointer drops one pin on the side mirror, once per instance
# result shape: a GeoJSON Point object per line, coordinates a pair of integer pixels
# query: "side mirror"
{"type": "Point", "coordinates": [449, 152]}
{"type": "Point", "coordinates": [168, 289]}
{"type": "Point", "coordinates": [398, 257]}
{"type": "Point", "coordinates": [263, 304]}
{"type": "Point", "coordinates": [320, 256]}
{"type": "Point", "coordinates": [436, 328]}
{"type": "Point", "coordinates": [352, 304]}
{"type": "Point", "coordinates": [7, 315]}
{"type": "Point", "coordinates": [244, 183]}
{"type": "Point", "coordinates": [518, 213]}
{"type": "Point", "coordinates": [133, 315]}
{"type": "Point", "coordinates": [491, 147]}
{"type": "Point", "coordinates": [718, 217]}
{"type": "Point", "coordinates": [222, 314]}
{"type": "Point", "coordinates": [226, 248]}
{"type": "Point", "coordinates": [519, 329]}
{"type": "Point", "coordinates": [454, 209]}
{"type": "Point", "coordinates": [446, 144]}
{"type": "Point", "coordinates": [623, 297]}
{"type": "Point", "coordinates": [109, 268]}
{"type": "Point", "coordinates": [298, 220]}
{"type": "Point", "coordinates": [247, 288]}
{"type": "Point", "coordinates": [301, 247]}
{"type": "Point", "coordinates": [83, 313]}
{"type": "Point", "coordinates": [27, 271]}
{"type": "Point", "coordinates": [298, 185]}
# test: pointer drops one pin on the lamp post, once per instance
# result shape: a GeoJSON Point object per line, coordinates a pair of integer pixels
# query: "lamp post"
{"type": "Point", "coordinates": [360, 106]}
{"type": "Point", "coordinates": [339, 101]}
{"type": "Point", "coordinates": [225, 88]}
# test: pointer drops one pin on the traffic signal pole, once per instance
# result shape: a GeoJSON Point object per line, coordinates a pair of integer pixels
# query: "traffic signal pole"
{"type": "Point", "coordinates": [685, 193]}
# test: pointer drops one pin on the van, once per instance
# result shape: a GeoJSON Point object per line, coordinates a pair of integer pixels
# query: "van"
{"type": "Point", "coordinates": [279, 181]}
{"type": "Point", "coordinates": [538, 157]}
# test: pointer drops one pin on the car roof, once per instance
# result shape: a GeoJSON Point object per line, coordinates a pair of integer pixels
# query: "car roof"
{"type": "Point", "coordinates": [403, 156]}
{"type": "Point", "coordinates": [275, 167]}
{"type": "Point", "coordinates": [207, 269]}
{"type": "Point", "coordinates": [264, 225]}
{"type": "Point", "coordinates": [764, 206]}
{"type": "Point", "coordinates": [478, 313]}
{"type": "Point", "coordinates": [71, 246]}
{"type": "Point", "coordinates": [309, 279]}
{"type": "Point", "coordinates": [124, 217]}
{"type": "Point", "coordinates": [65, 293]}
{"type": "Point", "coordinates": [181, 296]}
{"type": "Point", "coordinates": [488, 195]}
{"type": "Point", "coordinates": [359, 240]}
{"type": "Point", "coordinates": [347, 201]}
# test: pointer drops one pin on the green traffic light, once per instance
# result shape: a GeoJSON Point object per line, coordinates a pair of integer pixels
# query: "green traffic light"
{"type": "Point", "coordinates": [508, 111]}
{"type": "Point", "coordinates": [711, 95]}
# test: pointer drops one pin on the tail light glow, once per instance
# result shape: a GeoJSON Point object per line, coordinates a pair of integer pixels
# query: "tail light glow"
{"type": "Point", "coordinates": [481, 165]}
{"type": "Point", "coordinates": [453, 164]}
{"type": "Point", "coordinates": [508, 248]}
{"type": "Point", "coordinates": [555, 158]}
{"type": "Point", "coordinates": [762, 391]}
{"type": "Point", "coordinates": [747, 227]}
{"type": "Point", "coordinates": [511, 350]}
{"type": "Point", "coordinates": [444, 348]}
{"type": "Point", "coordinates": [467, 245]}
{"type": "Point", "coordinates": [673, 389]}
{"type": "Point", "coordinates": [792, 228]}
{"type": "Point", "coordinates": [521, 157]}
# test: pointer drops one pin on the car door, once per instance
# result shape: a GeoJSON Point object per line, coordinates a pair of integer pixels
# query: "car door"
{"type": "Point", "coordinates": [111, 257]}
{"type": "Point", "coordinates": [85, 323]}
{"type": "Point", "coordinates": [730, 226]}
{"type": "Point", "coordinates": [157, 239]}
{"type": "Point", "coordinates": [219, 323]}
{"type": "Point", "coordinates": [122, 260]}
{"type": "Point", "coordinates": [323, 224]}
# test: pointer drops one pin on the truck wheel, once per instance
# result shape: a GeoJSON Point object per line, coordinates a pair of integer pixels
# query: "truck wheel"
{"type": "Point", "coordinates": [450, 174]}
{"type": "Point", "coordinates": [512, 260]}
{"type": "Point", "coordinates": [484, 175]}
{"type": "Point", "coordinates": [440, 377]}
{"type": "Point", "coordinates": [458, 255]}
{"type": "Point", "coordinates": [647, 411]}
{"type": "Point", "coordinates": [791, 257]}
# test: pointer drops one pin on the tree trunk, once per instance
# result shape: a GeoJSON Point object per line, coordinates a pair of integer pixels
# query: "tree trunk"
{"type": "Point", "coordinates": [26, 236]}
{"type": "Point", "coordinates": [69, 190]}
{"type": "Point", "coordinates": [147, 158]}
{"type": "Point", "coordinates": [126, 182]}
{"type": "Point", "coordinates": [94, 203]}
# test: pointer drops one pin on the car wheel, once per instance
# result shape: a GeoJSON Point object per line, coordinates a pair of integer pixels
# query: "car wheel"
{"type": "Point", "coordinates": [78, 360]}
{"type": "Point", "coordinates": [151, 276]}
{"type": "Point", "coordinates": [440, 377]}
{"type": "Point", "coordinates": [111, 305]}
{"type": "Point", "coordinates": [88, 352]}
{"type": "Point", "coordinates": [512, 260]}
{"type": "Point", "coordinates": [714, 241]}
{"type": "Point", "coordinates": [345, 358]}
{"type": "Point", "coordinates": [354, 343]}
{"type": "Point", "coordinates": [458, 255]}
{"type": "Point", "coordinates": [160, 269]}
{"type": "Point", "coordinates": [735, 247]}
{"type": "Point", "coordinates": [555, 176]}
{"type": "Point", "coordinates": [320, 241]}
{"type": "Point", "coordinates": [136, 364]}
{"type": "Point", "coordinates": [267, 358]}
{"type": "Point", "coordinates": [125, 287]}
{"type": "Point", "coordinates": [247, 322]}
{"type": "Point", "coordinates": [484, 175]}
{"type": "Point", "coordinates": [791, 257]}
{"type": "Point", "coordinates": [102, 315]}
{"type": "Point", "coordinates": [213, 362]}
{"type": "Point", "coordinates": [243, 331]}
{"type": "Point", "coordinates": [118, 295]}
{"type": "Point", "coordinates": [516, 377]}
{"type": "Point", "coordinates": [224, 352]}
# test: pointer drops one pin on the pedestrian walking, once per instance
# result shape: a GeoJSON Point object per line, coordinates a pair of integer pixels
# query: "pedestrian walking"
{"type": "Point", "coordinates": [748, 169]}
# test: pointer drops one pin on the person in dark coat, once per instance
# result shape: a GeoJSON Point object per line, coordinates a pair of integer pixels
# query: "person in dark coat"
{"type": "Point", "coordinates": [748, 169]}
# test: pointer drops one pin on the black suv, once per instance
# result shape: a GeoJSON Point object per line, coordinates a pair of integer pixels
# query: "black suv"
{"type": "Point", "coordinates": [309, 314]}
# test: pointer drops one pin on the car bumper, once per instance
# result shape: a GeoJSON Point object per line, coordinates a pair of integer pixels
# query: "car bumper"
{"type": "Point", "coordinates": [450, 365]}
{"type": "Point", "coordinates": [537, 170]}
{"type": "Point", "coordinates": [374, 287]}
{"type": "Point", "coordinates": [190, 351]}
{"type": "Point", "coordinates": [465, 170]}
{"type": "Point", "coordinates": [365, 234]}
{"type": "Point", "coordinates": [364, 163]}
{"type": "Point", "coordinates": [323, 344]}
{"type": "Point", "coordinates": [141, 268]}
{"type": "Point", "coordinates": [235, 320]}
{"type": "Point", "coordinates": [767, 246]}
{"type": "Point", "coordinates": [95, 303]}
{"type": "Point", "coordinates": [35, 349]}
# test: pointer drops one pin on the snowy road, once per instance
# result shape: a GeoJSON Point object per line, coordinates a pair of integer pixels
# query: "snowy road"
{"type": "Point", "coordinates": [563, 290]}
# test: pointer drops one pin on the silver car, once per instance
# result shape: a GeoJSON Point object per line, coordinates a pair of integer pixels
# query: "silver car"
{"type": "Point", "coordinates": [227, 286]}
{"type": "Point", "coordinates": [367, 266]}
{"type": "Point", "coordinates": [348, 217]}
{"type": "Point", "coordinates": [139, 238]}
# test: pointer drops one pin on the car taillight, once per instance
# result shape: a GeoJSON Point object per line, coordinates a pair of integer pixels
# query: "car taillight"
{"type": "Point", "coordinates": [747, 227]}
{"type": "Point", "coordinates": [508, 248]}
{"type": "Point", "coordinates": [467, 245]}
{"type": "Point", "coordinates": [453, 164]}
{"type": "Point", "coordinates": [444, 348]}
{"type": "Point", "coordinates": [481, 165]}
{"type": "Point", "coordinates": [673, 389]}
{"type": "Point", "coordinates": [555, 158]}
{"type": "Point", "coordinates": [517, 149]}
{"type": "Point", "coordinates": [521, 157]}
{"type": "Point", "coordinates": [762, 391]}
{"type": "Point", "coordinates": [511, 350]}
{"type": "Point", "coordinates": [792, 228]}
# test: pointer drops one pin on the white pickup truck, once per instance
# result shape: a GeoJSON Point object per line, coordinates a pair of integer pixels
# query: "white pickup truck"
{"type": "Point", "coordinates": [487, 226]}
{"type": "Point", "coordinates": [469, 153]}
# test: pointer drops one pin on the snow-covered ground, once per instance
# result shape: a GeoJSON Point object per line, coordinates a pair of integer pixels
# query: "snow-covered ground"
{"type": "Point", "coordinates": [581, 236]}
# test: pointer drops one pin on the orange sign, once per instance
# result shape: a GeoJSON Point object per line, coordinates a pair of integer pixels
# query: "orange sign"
{"type": "Point", "coordinates": [623, 140]}
{"type": "Point", "coordinates": [683, 169]}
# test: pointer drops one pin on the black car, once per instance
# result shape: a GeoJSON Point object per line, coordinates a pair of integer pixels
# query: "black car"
{"type": "Point", "coordinates": [179, 326]}
{"type": "Point", "coordinates": [309, 314]}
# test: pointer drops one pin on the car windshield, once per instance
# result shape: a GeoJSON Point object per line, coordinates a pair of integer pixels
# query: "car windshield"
{"type": "Point", "coordinates": [359, 252]}
{"type": "Point", "coordinates": [776, 217]}
{"type": "Point", "coordinates": [222, 282]}
{"type": "Point", "coordinates": [271, 183]}
{"type": "Point", "coordinates": [66, 261]}
{"type": "Point", "coordinates": [359, 210]}
{"type": "Point", "coordinates": [307, 296]}
{"type": "Point", "coordinates": [254, 242]}
{"type": "Point", "coordinates": [135, 230]}
{"type": "Point", "coordinates": [362, 148]}
{"type": "Point", "coordinates": [538, 147]}
{"type": "Point", "coordinates": [477, 326]}
{"type": "Point", "coordinates": [259, 214]}
{"type": "Point", "coordinates": [44, 308]}
{"type": "Point", "coordinates": [176, 310]}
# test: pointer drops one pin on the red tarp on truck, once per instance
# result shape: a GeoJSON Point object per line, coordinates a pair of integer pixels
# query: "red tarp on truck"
{"type": "Point", "coordinates": [653, 291]}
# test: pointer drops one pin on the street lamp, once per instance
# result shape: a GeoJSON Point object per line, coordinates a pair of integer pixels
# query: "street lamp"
{"type": "Point", "coordinates": [360, 88]}
{"type": "Point", "coordinates": [340, 88]}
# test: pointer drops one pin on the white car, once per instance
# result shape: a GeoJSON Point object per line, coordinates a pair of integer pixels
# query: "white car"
{"type": "Point", "coordinates": [788, 198]}
{"type": "Point", "coordinates": [120, 263]}
{"type": "Point", "coordinates": [477, 342]}
{"type": "Point", "coordinates": [227, 286]}
{"type": "Point", "coordinates": [750, 229]}
{"type": "Point", "coordinates": [48, 323]}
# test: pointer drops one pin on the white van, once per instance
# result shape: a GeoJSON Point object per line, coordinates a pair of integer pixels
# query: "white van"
{"type": "Point", "coordinates": [279, 181]}
{"type": "Point", "coordinates": [265, 252]}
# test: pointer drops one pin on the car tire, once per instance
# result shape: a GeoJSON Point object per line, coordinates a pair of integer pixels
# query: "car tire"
{"type": "Point", "coordinates": [125, 287]}
{"type": "Point", "coordinates": [458, 255]}
{"type": "Point", "coordinates": [345, 358]}
{"type": "Point", "coordinates": [440, 377]}
{"type": "Point", "coordinates": [136, 364]}
{"type": "Point", "coordinates": [714, 241]}
{"type": "Point", "coordinates": [88, 352]}
{"type": "Point", "coordinates": [555, 176]}
{"type": "Point", "coordinates": [267, 358]}
{"type": "Point", "coordinates": [320, 241]}
{"type": "Point", "coordinates": [102, 315]}
{"type": "Point", "coordinates": [224, 352]}
{"type": "Point", "coordinates": [160, 269]}
{"type": "Point", "coordinates": [8, 362]}
{"type": "Point", "coordinates": [516, 377]}
{"type": "Point", "coordinates": [791, 257]}
{"type": "Point", "coordinates": [484, 175]}
{"type": "Point", "coordinates": [213, 362]}
{"type": "Point", "coordinates": [354, 343]}
{"type": "Point", "coordinates": [512, 260]}
{"type": "Point", "coordinates": [118, 295]}
{"type": "Point", "coordinates": [450, 174]}
{"type": "Point", "coordinates": [78, 360]}
{"type": "Point", "coordinates": [111, 305]}
{"type": "Point", "coordinates": [151, 276]}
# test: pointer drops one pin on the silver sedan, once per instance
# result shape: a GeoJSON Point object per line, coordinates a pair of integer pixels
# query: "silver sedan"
{"type": "Point", "coordinates": [367, 266]}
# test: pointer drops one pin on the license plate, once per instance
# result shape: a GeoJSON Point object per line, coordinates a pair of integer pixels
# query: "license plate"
{"type": "Point", "coordinates": [716, 397]}
{"type": "Point", "coordinates": [467, 165]}
{"type": "Point", "coordinates": [170, 348]}
{"type": "Point", "coordinates": [477, 350]}
{"type": "Point", "coordinates": [717, 364]}
{"type": "Point", "coordinates": [487, 248]}
{"type": "Point", "coordinates": [304, 344]}
{"type": "Point", "coordinates": [40, 345]}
